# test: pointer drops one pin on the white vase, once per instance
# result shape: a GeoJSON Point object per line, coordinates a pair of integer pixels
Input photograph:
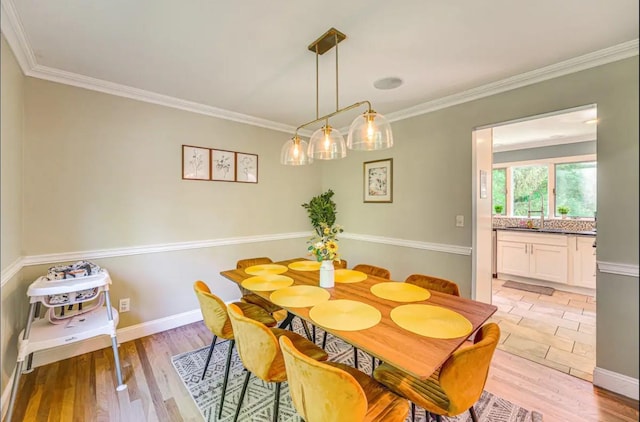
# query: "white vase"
{"type": "Point", "coordinates": [327, 274]}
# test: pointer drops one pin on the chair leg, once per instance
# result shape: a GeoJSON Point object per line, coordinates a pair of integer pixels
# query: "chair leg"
{"type": "Point", "coordinates": [324, 340]}
{"type": "Point", "coordinates": [306, 329]}
{"type": "Point", "coordinates": [355, 358]}
{"type": "Point", "coordinates": [373, 364]}
{"type": "Point", "coordinates": [244, 390]}
{"type": "Point", "coordinates": [313, 331]}
{"type": "Point", "coordinates": [276, 402]}
{"type": "Point", "coordinates": [226, 376]}
{"type": "Point", "coordinates": [413, 412]}
{"type": "Point", "coordinates": [438, 418]}
{"type": "Point", "coordinates": [474, 417]}
{"type": "Point", "coordinates": [206, 365]}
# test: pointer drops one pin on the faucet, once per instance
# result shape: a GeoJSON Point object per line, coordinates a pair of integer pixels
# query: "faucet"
{"type": "Point", "coordinates": [541, 210]}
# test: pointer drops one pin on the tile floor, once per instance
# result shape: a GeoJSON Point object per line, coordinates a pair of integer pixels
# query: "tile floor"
{"type": "Point", "coordinates": [557, 331]}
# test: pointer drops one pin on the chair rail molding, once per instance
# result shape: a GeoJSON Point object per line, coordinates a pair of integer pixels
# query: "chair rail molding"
{"type": "Point", "coordinates": [630, 270]}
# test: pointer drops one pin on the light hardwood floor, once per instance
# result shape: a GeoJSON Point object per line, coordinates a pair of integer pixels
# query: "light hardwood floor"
{"type": "Point", "coordinates": [83, 388]}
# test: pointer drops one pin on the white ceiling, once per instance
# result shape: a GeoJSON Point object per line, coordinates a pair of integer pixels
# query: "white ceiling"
{"type": "Point", "coordinates": [248, 61]}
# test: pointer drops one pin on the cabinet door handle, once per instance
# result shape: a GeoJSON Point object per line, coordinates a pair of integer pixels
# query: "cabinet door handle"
{"type": "Point", "coordinates": [531, 249]}
{"type": "Point", "coordinates": [525, 248]}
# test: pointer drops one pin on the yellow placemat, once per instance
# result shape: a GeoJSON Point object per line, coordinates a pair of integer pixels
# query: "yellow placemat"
{"type": "Point", "coordinates": [265, 269]}
{"type": "Point", "coordinates": [305, 265]}
{"type": "Point", "coordinates": [267, 282]}
{"type": "Point", "coordinates": [349, 276]}
{"type": "Point", "coordinates": [345, 315]}
{"type": "Point", "coordinates": [299, 296]}
{"type": "Point", "coordinates": [400, 292]}
{"type": "Point", "coordinates": [431, 321]}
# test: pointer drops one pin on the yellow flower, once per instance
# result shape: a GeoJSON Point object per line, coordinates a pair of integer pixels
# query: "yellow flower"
{"type": "Point", "coordinates": [332, 246]}
{"type": "Point", "coordinates": [327, 230]}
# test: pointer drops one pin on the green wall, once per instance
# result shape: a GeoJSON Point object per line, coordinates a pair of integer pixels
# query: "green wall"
{"type": "Point", "coordinates": [432, 184]}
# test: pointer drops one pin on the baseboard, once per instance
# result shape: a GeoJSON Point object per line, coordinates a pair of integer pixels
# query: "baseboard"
{"type": "Point", "coordinates": [615, 382]}
{"type": "Point", "coordinates": [133, 332]}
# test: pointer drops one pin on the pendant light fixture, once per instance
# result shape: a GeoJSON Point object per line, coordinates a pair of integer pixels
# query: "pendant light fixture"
{"type": "Point", "coordinates": [369, 131]}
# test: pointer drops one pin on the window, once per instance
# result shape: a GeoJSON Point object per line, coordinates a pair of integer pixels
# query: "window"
{"type": "Point", "coordinates": [576, 188]}
{"type": "Point", "coordinates": [499, 189]}
{"type": "Point", "coordinates": [564, 182]}
{"type": "Point", "coordinates": [530, 185]}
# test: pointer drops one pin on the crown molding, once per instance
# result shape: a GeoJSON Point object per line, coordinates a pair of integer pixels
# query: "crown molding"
{"type": "Point", "coordinates": [16, 37]}
{"type": "Point", "coordinates": [576, 64]}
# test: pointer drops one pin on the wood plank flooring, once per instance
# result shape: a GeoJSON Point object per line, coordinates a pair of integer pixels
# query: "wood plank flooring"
{"type": "Point", "coordinates": [82, 389]}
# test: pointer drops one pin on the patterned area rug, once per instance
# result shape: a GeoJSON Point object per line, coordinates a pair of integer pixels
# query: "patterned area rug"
{"type": "Point", "coordinates": [258, 401]}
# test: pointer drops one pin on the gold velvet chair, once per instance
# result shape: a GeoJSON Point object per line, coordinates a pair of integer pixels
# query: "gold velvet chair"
{"type": "Point", "coordinates": [373, 270]}
{"type": "Point", "coordinates": [261, 355]}
{"type": "Point", "coordinates": [216, 318]}
{"type": "Point", "coordinates": [370, 270]}
{"type": "Point", "coordinates": [333, 392]}
{"type": "Point", "coordinates": [342, 264]}
{"type": "Point", "coordinates": [456, 386]}
{"type": "Point", "coordinates": [434, 283]}
{"type": "Point", "coordinates": [278, 313]}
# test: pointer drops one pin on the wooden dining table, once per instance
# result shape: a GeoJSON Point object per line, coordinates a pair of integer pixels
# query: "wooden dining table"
{"type": "Point", "coordinates": [416, 354]}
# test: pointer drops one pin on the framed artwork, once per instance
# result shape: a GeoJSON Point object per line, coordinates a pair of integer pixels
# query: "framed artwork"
{"type": "Point", "coordinates": [196, 163]}
{"type": "Point", "coordinates": [223, 165]}
{"type": "Point", "coordinates": [246, 168]}
{"type": "Point", "coordinates": [378, 181]}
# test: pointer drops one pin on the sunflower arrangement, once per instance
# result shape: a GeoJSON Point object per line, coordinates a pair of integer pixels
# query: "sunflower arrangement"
{"type": "Point", "coordinates": [325, 246]}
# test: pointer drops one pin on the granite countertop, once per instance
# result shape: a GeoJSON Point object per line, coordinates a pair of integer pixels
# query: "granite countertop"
{"type": "Point", "coordinates": [547, 230]}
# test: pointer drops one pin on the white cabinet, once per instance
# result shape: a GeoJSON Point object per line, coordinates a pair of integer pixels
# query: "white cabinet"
{"type": "Point", "coordinates": [533, 255]}
{"type": "Point", "coordinates": [583, 261]}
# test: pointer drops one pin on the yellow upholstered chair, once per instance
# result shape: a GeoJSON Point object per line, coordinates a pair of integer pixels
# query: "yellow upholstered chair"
{"type": "Point", "coordinates": [216, 318]}
{"type": "Point", "coordinates": [342, 264]}
{"type": "Point", "coordinates": [434, 283]}
{"type": "Point", "coordinates": [333, 392]}
{"type": "Point", "coordinates": [373, 270]}
{"type": "Point", "coordinates": [278, 313]}
{"type": "Point", "coordinates": [370, 270]}
{"type": "Point", "coordinates": [260, 352]}
{"type": "Point", "coordinates": [456, 386]}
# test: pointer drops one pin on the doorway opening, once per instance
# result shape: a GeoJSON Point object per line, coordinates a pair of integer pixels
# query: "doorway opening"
{"type": "Point", "coordinates": [540, 201]}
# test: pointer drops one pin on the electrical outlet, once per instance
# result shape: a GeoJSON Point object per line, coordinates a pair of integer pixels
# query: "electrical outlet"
{"type": "Point", "coordinates": [459, 220]}
{"type": "Point", "coordinates": [123, 306]}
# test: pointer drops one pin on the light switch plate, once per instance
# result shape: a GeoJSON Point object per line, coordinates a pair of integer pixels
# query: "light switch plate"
{"type": "Point", "coordinates": [459, 220]}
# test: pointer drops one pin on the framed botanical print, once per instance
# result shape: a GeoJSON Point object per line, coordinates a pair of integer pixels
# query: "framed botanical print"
{"type": "Point", "coordinates": [246, 168]}
{"type": "Point", "coordinates": [378, 181]}
{"type": "Point", "coordinates": [196, 163]}
{"type": "Point", "coordinates": [223, 165]}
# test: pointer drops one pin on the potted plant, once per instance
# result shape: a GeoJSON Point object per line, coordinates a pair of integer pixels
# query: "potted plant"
{"type": "Point", "coordinates": [498, 209]}
{"type": "Point", "coordinates": [563, 211]}
{"type": "Point", "coordinates": [321, 209]}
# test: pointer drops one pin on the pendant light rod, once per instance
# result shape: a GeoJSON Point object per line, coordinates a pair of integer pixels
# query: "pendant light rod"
{"type": "Point", "coordinates": [336, 41]}
{"type": "Point", "coordinates": [328, 116]}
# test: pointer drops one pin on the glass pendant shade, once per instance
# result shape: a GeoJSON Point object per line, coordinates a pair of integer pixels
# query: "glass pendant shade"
{"type": "Point", "coordinates": [294, 152]}
{"type": "Point", "coordinates": [370, 131]}
{"type": "Point", "coordinates": [327, 143]}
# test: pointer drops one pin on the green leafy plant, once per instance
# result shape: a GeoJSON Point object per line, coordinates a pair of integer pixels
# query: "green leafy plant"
{"type": "Point", "coordinates": [563, 210]}
{"type": "Point", "coordinates": [498, 209]}
{"type": "Point", "coordinates": [321, 209]}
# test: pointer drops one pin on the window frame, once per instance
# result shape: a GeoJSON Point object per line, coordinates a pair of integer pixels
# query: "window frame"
{"type": "Point", "coordinates": [551, 181]}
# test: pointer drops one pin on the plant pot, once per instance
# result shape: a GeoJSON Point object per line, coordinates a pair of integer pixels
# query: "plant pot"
{"type": "Point", "coordinates": [327, 274]}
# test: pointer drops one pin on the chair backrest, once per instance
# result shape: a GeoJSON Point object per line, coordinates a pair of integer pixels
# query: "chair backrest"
{"type": "Point", "coordinates": [248, 262]}
{"type": "Point", "coordinates": [320, 392]}
{"type": "Point", "coordinates": [434, 283]}
{"type": "Point", "coordinates": [214, 311]}
{"type": "Point", "coordinates": [257, 346]}
{"type": "Point", "coordinates": [464, 374]}
{"type": "Point", "coordinates": [340, 264]}
{"type": "Point", "coordinates": [373, 270]}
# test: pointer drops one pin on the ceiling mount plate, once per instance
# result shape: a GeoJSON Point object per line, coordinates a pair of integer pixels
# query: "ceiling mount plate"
{"type": "Point", "coordinates": [327, 41]}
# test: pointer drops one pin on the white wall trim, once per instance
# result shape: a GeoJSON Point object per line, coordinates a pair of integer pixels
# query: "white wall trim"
{"type": "Point", "coordinates": [11, 270]}
{"type": "Point", "coordinates": [618, 383]}
{"type": "Point", "coordinates": [163, 247]}
{"type": "Point", "coordinates": [124, 335]}
{"type": "Point", "coordinates": [415, 244]}
{"type": "Point", "coordinates": [576, 64]}
{"type": "Point", "coordinates": [630, 270]}
{"type": "Point", "coordinates": [16, 38]}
